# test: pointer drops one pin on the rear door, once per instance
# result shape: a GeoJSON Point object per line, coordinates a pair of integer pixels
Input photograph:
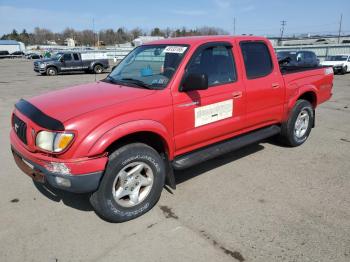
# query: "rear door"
{"type": "Point", "coordinates": [202, 117]}
{"type": "Point", "coordinates": [264, 84]}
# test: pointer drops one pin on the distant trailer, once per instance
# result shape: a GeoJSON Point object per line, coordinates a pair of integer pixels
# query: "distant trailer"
{"type": "Point", "coordinates": [11, 46]}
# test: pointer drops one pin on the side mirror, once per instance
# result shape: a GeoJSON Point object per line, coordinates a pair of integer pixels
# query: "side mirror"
{"type": "Point", "coordinates": [62, 60]}
{"type": "Point", "coordinates": [194, 82]}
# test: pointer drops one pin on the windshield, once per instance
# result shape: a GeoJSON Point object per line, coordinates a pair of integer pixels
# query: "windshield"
{"type": "Point", "coordinates": [337, 58]}
{"type": "Point", "coordinates": [57, 56]}
{"type": "Point", "coordinates": [149, 66]}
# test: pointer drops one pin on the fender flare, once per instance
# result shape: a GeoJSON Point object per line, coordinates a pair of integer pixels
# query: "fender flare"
{"type": "Point", "coordinates": [302, 90]}
{"type": "Point", "coordinates": [129, 128]}
{"type": "Point", "coordinates": [58, 69]}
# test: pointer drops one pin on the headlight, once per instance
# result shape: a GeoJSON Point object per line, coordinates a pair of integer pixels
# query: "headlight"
{"type": "Point", "coordinates": [52, 141]}
{"type": "Point", "coordinates": [42, 65]}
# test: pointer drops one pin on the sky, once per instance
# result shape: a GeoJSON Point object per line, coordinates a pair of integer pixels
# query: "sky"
{"type": "Point", "coordinates": [252, 16]}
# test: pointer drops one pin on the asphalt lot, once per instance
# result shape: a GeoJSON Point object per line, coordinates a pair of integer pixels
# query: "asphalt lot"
{"type": "Point", "coordinates": [263, 203]}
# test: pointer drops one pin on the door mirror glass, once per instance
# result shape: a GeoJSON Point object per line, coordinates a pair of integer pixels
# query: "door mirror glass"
{"type": "Point", "coordinates": [194, 82]}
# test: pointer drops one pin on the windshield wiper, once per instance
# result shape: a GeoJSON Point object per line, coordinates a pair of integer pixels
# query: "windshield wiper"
{"type": "Point", "coordinates": [110, 79]}
{"type": "Point", "coordinates": [136, 82]}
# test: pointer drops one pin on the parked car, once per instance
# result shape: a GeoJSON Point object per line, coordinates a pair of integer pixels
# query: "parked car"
{"type": "Point", "coordinates": [4, 54]}
{"type": "Point", "coordinates": [18, 53]}
{"type": "Point", "coordinates": [340, 63]}
{"type": "Point", "coordinates": [170, 104]}
{"type": "Point", "coordinates": [64, 62]}
{"type": "Point", "coordinates": [298, 58]}
{"type": "Point", "coordinates": [33, 56]}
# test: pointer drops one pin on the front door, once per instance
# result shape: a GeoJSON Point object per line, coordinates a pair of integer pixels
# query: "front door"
{"type": "Point", "coordinates": [68, 62]}
{"type": "Point", "coordinates": [202, 117]}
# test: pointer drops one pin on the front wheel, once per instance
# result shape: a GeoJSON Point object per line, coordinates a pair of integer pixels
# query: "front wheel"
{"type": "Point", "coordinates": [298, 127]}
{"type": "Point", "coordinates": [132, 183]}
{"type": "Point", "coordinates": [51, 71]}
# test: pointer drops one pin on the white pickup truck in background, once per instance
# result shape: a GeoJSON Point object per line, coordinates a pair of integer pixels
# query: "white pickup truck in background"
{"type": "Point", "coordinates": [340, 63]}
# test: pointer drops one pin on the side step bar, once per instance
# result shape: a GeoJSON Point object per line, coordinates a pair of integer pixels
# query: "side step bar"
{"type": "Point", "coordinates": [217, 149]}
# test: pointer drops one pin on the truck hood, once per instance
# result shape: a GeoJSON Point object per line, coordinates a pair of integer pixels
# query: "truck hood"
{"type": "Point", "coordinates": [332, 63]}
{"type": "Point", "coordinates": [44, 60]}
{"type": "Point", "coordinates": [74, 101]}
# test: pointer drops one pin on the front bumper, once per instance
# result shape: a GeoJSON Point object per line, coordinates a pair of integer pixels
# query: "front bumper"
{"type": "Point", "coordinates": [337, 69]}
{"type": "Point", "coordinates": [40, 70]}
{"type": "Point", "coordinates": [74, 175]}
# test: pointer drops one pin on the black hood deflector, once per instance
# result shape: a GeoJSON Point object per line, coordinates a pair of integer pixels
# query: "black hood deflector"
{"type": "Point", "coordinates": [38, 117]}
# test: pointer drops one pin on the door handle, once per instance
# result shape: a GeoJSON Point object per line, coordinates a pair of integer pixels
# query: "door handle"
{"type": "Point", "coordinates": [275, 85]}
{"type": "Point", "coordinates": [237, 94]}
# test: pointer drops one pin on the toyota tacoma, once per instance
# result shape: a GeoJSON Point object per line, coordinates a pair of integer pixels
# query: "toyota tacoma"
{"type": "Point", "coordinates": [170, 104]}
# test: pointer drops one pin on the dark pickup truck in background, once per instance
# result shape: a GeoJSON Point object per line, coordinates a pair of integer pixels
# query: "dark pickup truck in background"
{"type": "Point", "coordinates": [64, 62]}
{"type": "Point", "coordinates": [298, 58]}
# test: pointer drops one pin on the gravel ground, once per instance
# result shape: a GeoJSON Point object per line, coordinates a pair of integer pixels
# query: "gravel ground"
{"type": "Point", "coordinates": [262, 203]}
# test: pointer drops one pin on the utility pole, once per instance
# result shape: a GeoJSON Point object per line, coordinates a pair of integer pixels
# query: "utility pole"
{"type": "Point", "coordinates": [234, 25]}
{"type": "Point", "coordinates": [283, 24]}
{"type": "Point", "coordinates": [340, 22]}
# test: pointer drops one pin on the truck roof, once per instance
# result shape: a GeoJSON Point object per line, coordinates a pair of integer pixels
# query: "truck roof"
{"type": "Point", "coordinates": [191, 40]}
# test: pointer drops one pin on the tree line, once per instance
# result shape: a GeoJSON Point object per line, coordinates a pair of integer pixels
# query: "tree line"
{"type": "Point", "coordinates": [107, 37]}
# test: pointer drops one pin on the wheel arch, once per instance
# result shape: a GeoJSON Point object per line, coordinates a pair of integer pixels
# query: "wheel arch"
{"type": "Point", "coordinates": [93, 64]}
{"type": "Point", "coordinates": [309, 96]}
{"type": "Point", "coordinates": [149, 132]}
{"type": "Point", "coordinates": [54, 66]}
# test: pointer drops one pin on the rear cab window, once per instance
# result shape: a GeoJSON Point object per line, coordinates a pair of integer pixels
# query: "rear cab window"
{"type": "Point", "coordinates": [76, 56]}
{"type": "Point", "coordinates": [257, 59]}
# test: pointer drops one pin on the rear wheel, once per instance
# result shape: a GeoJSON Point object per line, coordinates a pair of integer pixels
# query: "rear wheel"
{"type": "Point", "coordinates": [51, 71]}
{"type": "Point", "coordinates": [298, 127]}
{"type": "Point", "coordinates": [98, 69]}
{"type": "Point", "coordinates": [132, 183]}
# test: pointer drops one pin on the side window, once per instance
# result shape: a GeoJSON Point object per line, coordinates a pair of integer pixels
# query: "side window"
{"type": "Point", "coordinates": [257, 59]}
{"type": "Point", "coordinates": [216, 62]}
{"type": "Point", "coordinates": [76, 56]}
{"type": "Point", "coordinates": [349, 59]}
{"type": "Point", "coordinates": [67, 57]}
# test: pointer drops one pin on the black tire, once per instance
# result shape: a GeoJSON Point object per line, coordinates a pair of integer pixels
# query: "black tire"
{"type": "Point", "coordinates": [98, 69]}
{"type": "Point", "coordinates": [103, 201]}
{"type": "Point", "coordinates": [344, 70]}
{"type": "Point", "coordinates": [288, 133]}
{"type": "Point", "coordinates": [51, 71]}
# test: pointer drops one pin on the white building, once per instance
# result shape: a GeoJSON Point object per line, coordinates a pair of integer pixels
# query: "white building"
{"type": "Point", "coordinates": [70, 42]}
{"type": "Point", "coordinates": [11, 46]}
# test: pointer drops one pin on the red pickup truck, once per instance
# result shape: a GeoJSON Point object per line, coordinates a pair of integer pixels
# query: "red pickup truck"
{"type": "Point", "coordinates": [170, 104]}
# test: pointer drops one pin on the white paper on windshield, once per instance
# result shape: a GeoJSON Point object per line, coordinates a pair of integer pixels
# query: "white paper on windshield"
{"type": "Point", "coordinates": [214, 112]}
{"type": "Point", "coordinates": [175, 49]}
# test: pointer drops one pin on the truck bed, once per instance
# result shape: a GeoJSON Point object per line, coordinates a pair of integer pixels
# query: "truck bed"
{"type": "Point", "coordinates": [295, 69]}
{"type": "Point", "coordinates": [317, 77]}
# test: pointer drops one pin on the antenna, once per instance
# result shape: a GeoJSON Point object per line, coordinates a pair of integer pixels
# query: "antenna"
{"type": "Point", "coordinates": [283, 24]}
{"type": "Point", "coordinates": [234, 25]}
{"type": "Point", "coordinates": [93, 29]}
{"type": "Point", "coordinates": [340, 23]}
